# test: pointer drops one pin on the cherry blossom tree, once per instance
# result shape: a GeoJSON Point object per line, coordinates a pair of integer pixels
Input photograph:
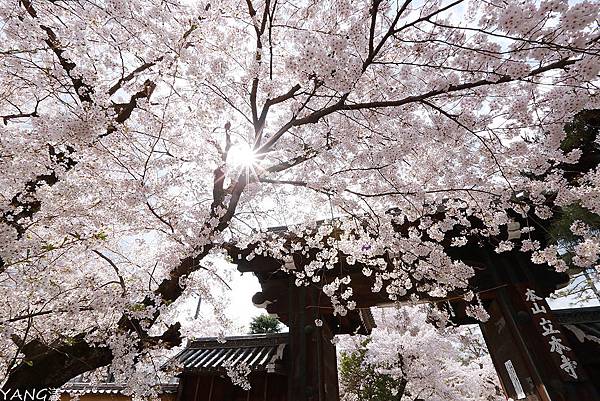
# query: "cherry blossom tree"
{"type": "Point", "coordinates": [138, 137]}
{"type": "Point", "coordinates": [408, 358]}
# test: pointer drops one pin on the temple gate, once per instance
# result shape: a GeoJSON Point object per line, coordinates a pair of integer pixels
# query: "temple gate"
{"type": "Point", "coordinates": [533, 353]}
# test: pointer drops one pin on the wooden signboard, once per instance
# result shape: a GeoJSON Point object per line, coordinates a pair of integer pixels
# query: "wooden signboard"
{"type": "Point", "coordinates": [532, 356]}
{"type": "Point", "coordinates": [515, 374]}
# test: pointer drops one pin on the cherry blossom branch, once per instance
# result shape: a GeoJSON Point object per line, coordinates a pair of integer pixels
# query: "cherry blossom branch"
{"type": "Point", "coordinates": [428, 17]}
{"type": "Point", "coordinates": [259, 31]}
{"type": "Point", "coordinates": [305, 184]}
{"type": "Point", "coordinates": [271, 16]}
{"type": "Point", "coordinates": [452, 88]}
{"type": "Point", "coordinates": [7, 117]}
{"type": "Point", "coordinates": [84, 91]}
{"type": "Point", "coordinates": [353, 169]}
{"type": "Point", "coordinates": [113, 89]}
{"type": "Point", "coordinates": [44, 313]}
{"type": "Point", "coordinates": [263, 115]}
{"type": "Point", "coordinates": [26, 200]}
{"type": "Point", "coordinates": [341, 103]}
{"type": "Point", "coordinates": [373, 11]}
{"type": "Point", "coordinates": [159, 217]}
{"type": "Point", "coordinates": [544, 43]}
{"type": "Point", "coordinates": [51, 365]}
{"type": "Point", "coordinates": [217, 91]}
{"type": "Point", "coordinates": [483, 142]}
{"type": "Point", "coordinates": [115, 268]}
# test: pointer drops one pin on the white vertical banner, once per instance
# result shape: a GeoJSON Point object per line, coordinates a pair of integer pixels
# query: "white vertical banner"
{"type": "Point", "coordinates": [514, 379]}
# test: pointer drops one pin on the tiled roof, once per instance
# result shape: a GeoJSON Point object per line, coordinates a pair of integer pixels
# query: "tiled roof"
{"type": "Point", "coordinates": [106, 388]}
{"type": "Point", "coordinates": [260, 352]}
{"type": "Point", "coordinates": [103, 383]}
{"type": "Point", "coordinates": [368, 322]}
{"type": "Point", "coordinates": [583, 322]}
{"type": "Point", "coordinates": [578, 315]}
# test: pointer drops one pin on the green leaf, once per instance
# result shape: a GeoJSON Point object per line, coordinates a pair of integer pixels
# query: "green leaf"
{"type": "Point", "coordinates": [137, 307]}
{"type": "Point", "coordinates": [69, 341]}
{"type": "Point", "coordinates": [48, 247]}
{"type": "Point", "coordinates": [101, 235]}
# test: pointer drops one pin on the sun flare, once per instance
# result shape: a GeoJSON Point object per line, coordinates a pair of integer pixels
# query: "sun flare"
{"type": "Point", "coordinates": [242, 155]}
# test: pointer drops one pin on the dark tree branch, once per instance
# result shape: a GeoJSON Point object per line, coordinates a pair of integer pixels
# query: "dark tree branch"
{"type": "Point", "coordinates": [7, 117]}
{"type": "Point", "coordinates": [115, 268]}
{"type": "Point", "coordinates": [84, 91]}
{"type": "Point", "coordinates": [52, 365]}
{"type": "Point", "coordinates": [113, 89]}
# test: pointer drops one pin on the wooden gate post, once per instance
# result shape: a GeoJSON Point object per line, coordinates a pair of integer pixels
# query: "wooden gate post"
{"type": "Point", "coordinates": [313, 364]}
{"type": "Point", "coordinates": [531, 354]}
